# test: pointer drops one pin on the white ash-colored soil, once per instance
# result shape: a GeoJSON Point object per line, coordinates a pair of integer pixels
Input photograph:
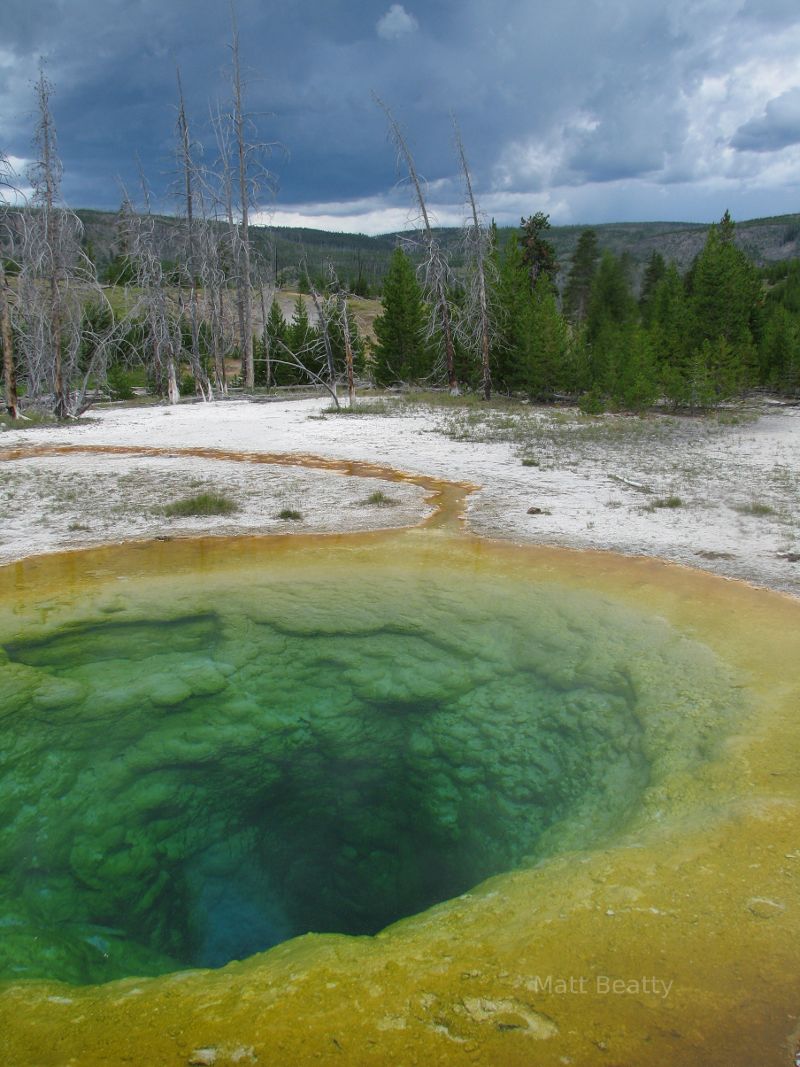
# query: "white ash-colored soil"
{"type": "Point", "coordinates": [600, 483]}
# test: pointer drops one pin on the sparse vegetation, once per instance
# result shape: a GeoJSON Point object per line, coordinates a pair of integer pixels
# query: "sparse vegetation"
{"type": "Point", "coordinates": [201, 505]}
{"type": "Point", "coordinates": [756, 508]}
{"type": "Point", "coordinates": [290, 515]}
{"type": "Point", "coordinates": [380, 499]}
{"type": "Point", "coordinates": [30, 420]}
{"type": "Point", "coordinates": [364, 407]}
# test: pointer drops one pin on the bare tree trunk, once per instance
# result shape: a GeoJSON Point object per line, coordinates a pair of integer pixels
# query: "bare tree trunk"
{"type": "Point", "coordinates": [435, 267]}
{"type": "Point", "coordinates": [49, 188]}
{"type": "Point", "coordinates": [9, 375]}
{"type": "Point", "coordinates": [201, 381]}
{"type": "Point", "coordinates": [219, 358]}
{"type": "Point", "coordinates": [265, 337]}
{"type": "Point", "coordinates": [480, 269]}
{"type": "Point", "coordinates": [324, 325]}
{"type": "Point", "coordinates": [244, 280]}
{"type": "Point", "coordinates": [348, 349]}
{"type": "Point", "coordinates": [173, 362]}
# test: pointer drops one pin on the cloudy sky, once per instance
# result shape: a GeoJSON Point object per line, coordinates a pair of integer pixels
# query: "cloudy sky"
{"type": "Point", "coordinates": [591, 110]}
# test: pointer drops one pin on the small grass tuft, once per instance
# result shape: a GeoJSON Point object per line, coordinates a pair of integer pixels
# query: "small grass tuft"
{"type": "Point", "coordinates": [664, 502]}
{"type": "Point", "coordinates": [380, 499]}
{"type": "Point", "coordinates": [200, 505]}
{"type": "Point", "coordinates": [755, 507]}
{"type": "Point", "coordinates": [362, 407]}
{"type": "Point", "coordinates": [530, 461]}
{"type": "Point", "coordinates": [290, 515]}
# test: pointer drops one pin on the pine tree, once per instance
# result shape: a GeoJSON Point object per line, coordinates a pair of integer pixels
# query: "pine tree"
{"type": "Point", "coordinates": [538, 254]}
{"type": "Point", "coordinates": [300, 335]}
{"type": "Point", "coordinates": [654, 271]}
{"type": "Point", "coordinates": [611, 310]}
{"type": "Point", "coordinates": [402, 352]}
{"type": "Point", "coordinates": [669, 330]}
{"type": "Point", "coordinates": [579, 281]}
{"type": "Point", "coordinates": [515, 312]}
{"type": "Point", "coordinates": [780, 350]}
{"type": "Point", "coordinates": [726, 292]}
{"type": "Point", "coordinates": [549, 343]}
{"type": "Point", "coordinates": [636, 387]}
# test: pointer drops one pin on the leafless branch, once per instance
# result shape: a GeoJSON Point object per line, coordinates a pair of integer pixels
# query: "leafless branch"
{"type": "Point", "coordinates": [435, 269]}
{"type": "Point", "coordinates": [474, 324]}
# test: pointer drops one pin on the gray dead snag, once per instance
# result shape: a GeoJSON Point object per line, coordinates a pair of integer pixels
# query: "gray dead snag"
{"type": "Point", "coordinates": [348, 348]}
{"type": "Point", "coordinates": [476, 320]}
{"type": "Point", "coordinates": [225, 197]}
{"type": "Point", "coordinates": [149, 300]}
{"type": "Point", "coordinates": [49, 255]}
{"type": "Point", "coordinates": [59, 303]}
{"type": "Point", "coordinates": [244, 279]}
{"type": "Point", "coordinates": [6, 337]}
{"type": "Point", "coordinates": [435, 267]}
{"type": "Point", "coordinates": [323, 310]}
{"type": "Point", "coordinates": [265, 344]}
{"type": "Point", "coordinates": [188, 168]}
{"type": "Point", "coordinates": [293, 360]}
{"type": "Point", "coordinates": [341, 294]}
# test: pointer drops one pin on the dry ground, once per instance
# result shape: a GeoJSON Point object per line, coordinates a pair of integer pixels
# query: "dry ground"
{"type": "Point", "coordinates": [719, 493]}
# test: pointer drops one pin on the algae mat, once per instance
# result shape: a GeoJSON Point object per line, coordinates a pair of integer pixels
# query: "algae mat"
{"type": "Point", "coordinates": [567, 781]}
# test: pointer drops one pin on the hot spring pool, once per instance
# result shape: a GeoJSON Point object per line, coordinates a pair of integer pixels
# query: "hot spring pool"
{"type": "Point", "coordinates": [211, 748]}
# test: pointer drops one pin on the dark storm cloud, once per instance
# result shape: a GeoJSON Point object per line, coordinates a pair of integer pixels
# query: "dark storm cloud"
{"type": "Point", "coordinates": [554, 100]}
{"type": "Point", "coordinates": [777, 128]}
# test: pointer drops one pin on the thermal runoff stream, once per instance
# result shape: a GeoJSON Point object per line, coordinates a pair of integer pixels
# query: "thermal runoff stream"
{"type": "Point", "coordinates": [210, 748]}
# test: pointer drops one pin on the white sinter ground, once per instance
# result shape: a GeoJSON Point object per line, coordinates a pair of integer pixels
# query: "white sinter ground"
{"type": "Point", "coordinates": [719, 493]}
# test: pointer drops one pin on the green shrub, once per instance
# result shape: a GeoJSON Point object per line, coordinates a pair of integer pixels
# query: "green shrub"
{"type": "Point", "coordinates": [290, 515]}
{"type": "Point", "coordinates": [201, 504]}
{"type": "Point", "coordinates": [757, 508]}
{"type": "Point", "coordinates": [380, 499]}
{"type": "Point", "coordinates": [120, 383]}
{"type": "Point", "coordinates": [668, 502]}
{"type": "Point", "coordinates": [186, 386]}
{"type": "Point", "coordinates": [592, 404]}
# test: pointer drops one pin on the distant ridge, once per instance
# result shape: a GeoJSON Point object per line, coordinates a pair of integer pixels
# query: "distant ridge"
{"type": "Point", "coordinates": [765, 240]}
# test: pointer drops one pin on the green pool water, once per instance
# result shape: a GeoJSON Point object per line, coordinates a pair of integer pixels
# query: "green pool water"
{"type": "Point", "coordinates": [199, 763]}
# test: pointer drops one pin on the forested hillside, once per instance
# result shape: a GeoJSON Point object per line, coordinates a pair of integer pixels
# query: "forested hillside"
{"type": "Point", "coordinates": [356, 256]}
{"type": "Point", "coordinates": [619, 317]}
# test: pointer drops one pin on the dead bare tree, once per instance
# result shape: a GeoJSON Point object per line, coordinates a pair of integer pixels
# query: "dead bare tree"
{"type": "Point", "coordinates": [341, 295]}
{"type": "Point", "coordinates": [212, 273]}
{"type": "Point", "coordinates": [149, 302]}
{"type": "Point", "coordinates": [6, 336]}
{"type": "Point", "coordinates": [435, 267]}
{"type": "Point", "coordinates": [188, 174]}
{"type": "Point", "coordinates": [223, 197]}
{"type": "Point", "coordinates": [348, 347]}
{"type": "Point", "coordinates": [251, 176]}
{"type": "Point", "coordinates": [475, 322]}
{"type": "Point", "coordinates": [325, 309]}
{"type": "Point", "coordinates": [244, 279]}
{"type": "Point", "coordinates": [50, 241]}
{"type": "Point", "coordinates": [292, 359]}
{"type": "Point", "coordinates": [62, 342]}
{"type": "Point", "coordinates": [266, 294]}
